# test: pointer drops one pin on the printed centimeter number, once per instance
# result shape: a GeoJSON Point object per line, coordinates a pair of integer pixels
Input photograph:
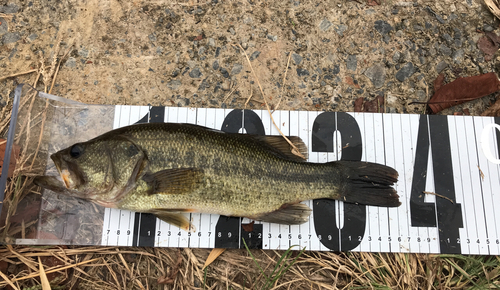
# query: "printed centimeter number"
{"type": "Point", "coordinates": [284, 236]}
{"type": "Point", "coordinates": [118, 232]}
{"type": "Point", "coordinates": [179, 233]}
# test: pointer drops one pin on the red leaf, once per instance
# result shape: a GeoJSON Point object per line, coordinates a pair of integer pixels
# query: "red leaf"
{"type": "Point", "coordinates": [248, 227]}
{"type": "Point", "coordinates": [489, 44]}
{"type": "Point", "coordinates": [358, 104]}
{"type": "Point", "coordinates": [464, 89]}
{"type": "Point", "coordinates": [374, 106]}
{"type": "Point", "coordinates": [13, 156]}
{"type": "Point", "coordinates": [438, 82]}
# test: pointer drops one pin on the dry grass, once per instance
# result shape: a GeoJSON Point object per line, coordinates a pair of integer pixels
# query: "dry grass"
{"type": "Point", "coordinates": [75, 267]}
{"type": "Point", "coordinates": [169, 268]}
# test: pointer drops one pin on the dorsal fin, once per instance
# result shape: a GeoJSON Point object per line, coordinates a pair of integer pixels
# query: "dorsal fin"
{"type": "Point", "coordinates": [279, 143]}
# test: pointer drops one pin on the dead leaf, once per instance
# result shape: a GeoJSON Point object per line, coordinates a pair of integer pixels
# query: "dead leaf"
{"type": "Point", "coordinates": [493, 110]}
{"type": "Point", "coordinates": [358, 104]}
{"type": "Point", "coordinates": [489, 45]}
{"type": "Point", "coordinates": [438, 82]}
{"type": "Point", "coordinates": [13, 156]}
{"type": "Point", "coordinates": [373, 2]}
{"type": "Point", "coordinates": [248, 227]}
{"type": "Point", "coordinates": [462, 90]}
{"type": "Point", "coordinates": [52, 262]}
{"type": "Point", "coordinates": [216, 252]}
{"type": "Point", "coordinates": [374, 106]}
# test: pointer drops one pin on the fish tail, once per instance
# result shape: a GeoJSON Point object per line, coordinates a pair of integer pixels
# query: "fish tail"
{"type": "Point", "coordinates": [369, 183]}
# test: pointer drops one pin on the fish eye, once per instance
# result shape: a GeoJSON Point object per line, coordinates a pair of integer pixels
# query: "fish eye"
{"type": "Point", "coordinates": [76, 151]}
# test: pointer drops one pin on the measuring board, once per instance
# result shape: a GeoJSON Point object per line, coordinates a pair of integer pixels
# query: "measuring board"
{"type": "Point", "coordinates": [449, 184]}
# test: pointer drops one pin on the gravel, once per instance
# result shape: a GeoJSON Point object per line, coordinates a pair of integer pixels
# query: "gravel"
{"type": "Point", "coordinates": [405, 72]}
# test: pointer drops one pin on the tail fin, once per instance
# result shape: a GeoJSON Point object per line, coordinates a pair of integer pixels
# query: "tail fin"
{"type": "Point", "coordinates": [370, 184]}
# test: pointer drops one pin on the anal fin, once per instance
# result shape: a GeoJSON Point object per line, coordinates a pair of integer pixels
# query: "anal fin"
{"type": "Point", "coordinates": [176, 219]}
{"type": "Point", "coordinates": [288, 214]}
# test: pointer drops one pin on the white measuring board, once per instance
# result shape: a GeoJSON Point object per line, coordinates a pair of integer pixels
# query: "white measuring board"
{"type": "Point", "coordinates": [449, 184]}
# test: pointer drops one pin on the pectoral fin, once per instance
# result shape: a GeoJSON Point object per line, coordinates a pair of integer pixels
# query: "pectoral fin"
{"type": "Point", "coordinates": [288, 214]}
{"type": "Point", "coordinates": [174, 181]}
{"type": "Point", "coordinates": [175, 219]}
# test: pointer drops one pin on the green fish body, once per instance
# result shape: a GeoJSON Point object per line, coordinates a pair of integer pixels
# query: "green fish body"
{"type": "Point", "coordinates": [169, 168]}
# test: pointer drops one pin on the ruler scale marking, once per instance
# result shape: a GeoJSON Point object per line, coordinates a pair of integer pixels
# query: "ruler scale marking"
{"type": "Point", "coordinates": [480, 223]}
{"type": "Point", "coordinates": [486, 181]}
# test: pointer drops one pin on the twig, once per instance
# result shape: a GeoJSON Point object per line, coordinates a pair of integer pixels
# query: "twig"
{"type": "Point", "coordinates": [18, 74]}
{"type": "Point", "coordinates": [439, 195]}
{"type": "Point", "coordinates": [59, 65]}
{"type": "Point", "coordinates": [442, 102]}
{"type": "Point", "coordinates": [43, 276]}
{"type": "Point", "coordinates": [480, 172]}
{"type": "Point", "coordinates": [54, 75]}
{"type": "Point", "coordinates": [294, 150]}
{"type": "Point", "coordinates": [3, 15]}
{"type": "Point", "coordinates": [248, 100]}
{"type": "Point", "coordinates": [229, 94]}
{"type": "Point", "coordinates": [284, 79]}
{"type": "Point", "coordinates": [8, 280]}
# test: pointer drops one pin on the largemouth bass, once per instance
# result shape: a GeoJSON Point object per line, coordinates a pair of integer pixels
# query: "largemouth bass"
{"type": "Point", "coordinates": [168, 169]}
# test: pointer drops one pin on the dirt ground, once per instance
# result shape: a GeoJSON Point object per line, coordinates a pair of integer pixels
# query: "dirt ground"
{"type": "Point", "coordinates": [192, 54]}
{"type": "Point", "coordinates": [188, 54]}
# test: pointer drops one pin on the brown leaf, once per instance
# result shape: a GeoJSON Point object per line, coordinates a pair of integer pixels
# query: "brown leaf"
{"type": "Point", "coordinates": [374, 106]}
{"type": "Point", "coordinates": [248, 227]}
{"type": "Point", "coordinates": [50, 262]}
{"type": "Point", "coordinates": [216, 252]}
{"type": "Point", "coordinates": [488, 44]}
{"type": "Point", "coordinates": [358, 104]}
{"type": "Point", "coordinates": [462, 90]}
{"type": "Point", "coordinates": [3, 266]}
{"type": "Point", "coordinates": [493, 110]}
{"type": "Point", "coordinates": [438, 82]}
{"type": "Point", "coordinates": [13, 157]}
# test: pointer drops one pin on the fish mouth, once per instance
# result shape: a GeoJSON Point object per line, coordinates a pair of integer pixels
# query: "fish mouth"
{"type": "Point", "coordinates": [68, 171]}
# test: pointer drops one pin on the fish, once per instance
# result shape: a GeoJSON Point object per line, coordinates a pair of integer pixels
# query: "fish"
{"type": "Point", "coordinates": [169, 169]}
